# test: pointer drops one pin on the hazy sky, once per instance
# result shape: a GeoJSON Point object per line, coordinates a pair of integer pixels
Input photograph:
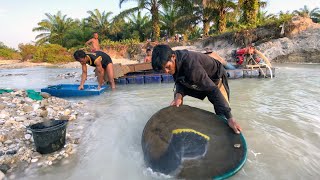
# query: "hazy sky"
{"type": "Point", "coordinates": [19, 17]}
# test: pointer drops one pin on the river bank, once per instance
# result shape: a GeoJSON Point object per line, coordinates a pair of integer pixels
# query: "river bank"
{"type": "Point", "coordinates": [18, 111]}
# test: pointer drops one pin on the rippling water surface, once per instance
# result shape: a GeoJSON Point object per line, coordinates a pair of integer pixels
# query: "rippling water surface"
{"type": "Point", "coordinates": [280, 118]}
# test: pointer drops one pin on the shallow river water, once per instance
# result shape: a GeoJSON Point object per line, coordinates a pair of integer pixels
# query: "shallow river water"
{"type": "Point", "coordinates": [280, 118]}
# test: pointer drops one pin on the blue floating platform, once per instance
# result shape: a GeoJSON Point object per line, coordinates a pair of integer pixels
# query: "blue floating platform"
{"type": "Point", "coordinates": [121, 81]}
{"type": "Point", "coordinates": [235, 74]}
{"type": "Point", "coordinates": [251, 73]}
{"type": "Point", "coordinates": [152, 79]}
{"type": "Point", "coordinates": [167, 78]}
{"type": "Point", "coordinates": [135, 80]}
{"type": "Point", "coordinates": [71, 90]}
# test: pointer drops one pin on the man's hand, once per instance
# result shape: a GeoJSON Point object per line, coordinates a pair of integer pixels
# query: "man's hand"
{"type": "Point", "coordinates": [234, 125]}
{"type": "Point", "coordinates": [177, 100]}
{"type": "Point", "coordinates": [80, 87]}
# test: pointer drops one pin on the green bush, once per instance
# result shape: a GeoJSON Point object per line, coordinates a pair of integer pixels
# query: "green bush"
{"type": "Point", "coordinates": [132, 46]}
{"type": "Point", "coordinates": [52, 53]}
{"type": "Point", "coordinates": [5, 53]}
{"type": "Point", "coordinates": [9, 54]}
{"type": "Point", "coordinates": [27, 51]}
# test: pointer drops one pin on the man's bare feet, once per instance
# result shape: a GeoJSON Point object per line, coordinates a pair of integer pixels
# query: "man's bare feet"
{"type": "Point", "coordinates": [234, 125]}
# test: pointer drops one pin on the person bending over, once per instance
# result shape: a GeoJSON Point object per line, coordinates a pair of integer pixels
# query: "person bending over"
{"type": "Point", "coordinates": [197, 75]}
{"type": "Point", "coordinates": [101, 61]}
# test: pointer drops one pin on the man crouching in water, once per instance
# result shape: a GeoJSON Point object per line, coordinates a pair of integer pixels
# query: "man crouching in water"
{"type": "Point", "coordinates": [197, 75]}
{"type": "Point", "coordinates": [101, 61]}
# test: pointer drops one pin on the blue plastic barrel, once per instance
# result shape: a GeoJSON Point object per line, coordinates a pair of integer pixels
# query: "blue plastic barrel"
{"type": "Point", "coordinates": [135, 80]}
{"type": "Point", "coordinates": [131, 80]}
{"type": "Point", "coordinates": [251, 73]}
{"type": "Point", "coordinates": [121, 81]}
{"type": "Point", "coordinates": [139, 79]}
{"type": "Point", "coordinates": [167, 78]}
{"type": "Point", "coordinates": [238, 73]}
{"type": "Point", "coordinates": [152, 79]}
{"type": "Point", "coordinates": [230, 74]}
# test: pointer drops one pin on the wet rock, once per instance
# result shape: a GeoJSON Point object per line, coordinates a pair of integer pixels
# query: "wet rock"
{"type": "Point", "coordinates": [45, 95]}
{"type": "Point", "coordinates": [12, 146]}
{"type": "Point", "coordinates": [21, 118]}
{"type": "Point", "coordinates": [12, 176]}
{"type": "Point", "coordinates": [2, 116]}
{"type": "Point", "coordinates": [4, 168]}
{"type": "Point", "coordinates": [36, 155]}
{"type": "Point", "coordinates": [27, 108]}
{"type": "Point", "coordinates": [2, 176]}
{"type": "Point", "coordinates": [8, 142]}
{"type": "Point", "coordinates": [76, 141]}
{"type": "Point", "coordinates": [69, 148]}
{"type": "Point", "coordinates": [56, 108]}
{"type": "Point", "coordinates": [11, 152]}
{"type": "Point", "coordinates": [44, 113]}
{"type": "Point", "coordinates": [12, 105]}
{"type": "Point", "coordinates": [27, 136]}
{"type": "Point", "coordinates": [72, 117]}
{"type": "Point", "coordinates": [44, 103]}
{"type": "Point", "coordinates": [34, 160]}
{"type": "Point", "coordinates": [21, 113]}
{"type": "Point", "coordinates": [40, 164]}
{"type": "Point", "coordinates": [35, 106]}
{"type": "Point", "coordinates": [3, 138]}
{"type": "Point", "coordinates": [63, 117]}
{"type": "Point", "coordinates": [67, 112]}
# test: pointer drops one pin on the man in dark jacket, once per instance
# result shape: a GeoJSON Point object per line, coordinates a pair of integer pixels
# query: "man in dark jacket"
{"type": "Point", "coordinates": [196, 75]}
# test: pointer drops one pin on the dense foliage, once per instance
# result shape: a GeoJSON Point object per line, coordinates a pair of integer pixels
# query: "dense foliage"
{"type": "Point", "coordinates": [8, 53]}
{"type": "Point", "coordinates": [164, 20]}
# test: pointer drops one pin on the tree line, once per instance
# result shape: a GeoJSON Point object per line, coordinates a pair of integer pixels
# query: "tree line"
{"type": "Point", "coordinates": [150, 19]}
{"type": "Point", "coordinates": [164, 18]}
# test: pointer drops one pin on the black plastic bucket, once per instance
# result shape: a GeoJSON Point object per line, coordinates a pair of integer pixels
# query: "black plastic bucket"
{"type": "Point", "coordinates": [49, 136]}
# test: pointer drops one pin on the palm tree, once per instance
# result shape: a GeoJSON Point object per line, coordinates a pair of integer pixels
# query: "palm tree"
{"type": "Point", "coordinates": [223, 7]}
{"type": "Point", "coordinates": [170, 18]}
{"type": "Point", "coordinates": [119, 30]}
{"type": "Point", "coordinates": [263, 17]}
{"type": "Point", "coordinates": [314, 14]}
{"type": "Point", "coordinates": [53, 28]}
{"type": "Point", "coordinates": [196, 11]}
{"type": "Point", "coordinates": [153, 7]}
{"type": "Point", "coordinates": [78, 35]}
{"type": "Point", "coordinates": [304, 12]}
{"type": "Point", "coordinates": [100, 22]}
{"type": "Point", "coordinates": [139, 24]}
{"type": "Point", "coordinates": [250, 9]}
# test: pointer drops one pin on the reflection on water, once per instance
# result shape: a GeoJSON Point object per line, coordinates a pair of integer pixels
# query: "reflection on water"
{"type": "Point", "coordinates": [35, 78]}
{"type": "Point", "coordinates": [280, 119]}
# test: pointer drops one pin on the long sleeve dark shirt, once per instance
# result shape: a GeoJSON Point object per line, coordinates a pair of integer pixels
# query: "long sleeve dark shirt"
{"type": "Point", "coordinates": [201, 74]}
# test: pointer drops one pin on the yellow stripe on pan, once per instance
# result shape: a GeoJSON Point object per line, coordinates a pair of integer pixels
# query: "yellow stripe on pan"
{"type": "Point", "coordinates": [177, 131]}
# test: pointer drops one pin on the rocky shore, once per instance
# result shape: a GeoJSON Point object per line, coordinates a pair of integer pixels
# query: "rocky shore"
{"type": "Point", "coordinates": [299, 44]}
{"type": "Point", "coordinates": [18, 111]}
